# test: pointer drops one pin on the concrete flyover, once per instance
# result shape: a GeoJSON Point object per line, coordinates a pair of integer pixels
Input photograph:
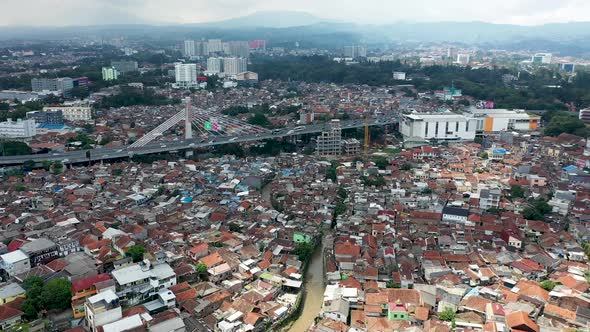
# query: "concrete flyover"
{"type": "Point", "coordinates": [81, 156]}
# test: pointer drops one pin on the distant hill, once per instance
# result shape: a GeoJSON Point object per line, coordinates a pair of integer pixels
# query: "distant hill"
{"type": "Point", "coordinates": [267, 19]}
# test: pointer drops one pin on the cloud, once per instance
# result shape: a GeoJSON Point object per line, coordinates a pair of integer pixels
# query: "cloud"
{"type": "Point", "coordinates": [89, 12]}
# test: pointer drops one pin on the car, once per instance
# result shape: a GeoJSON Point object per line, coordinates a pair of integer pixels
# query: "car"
{"type": "Point", "coordinates": [120, 150]}
{"type": "Point", "coordinates": [257, 135]}
{"type": "Point", "coordinates": [191, 145]}
{"type": "Point", "coordinates": [211, 141]}
{"type": "Point", "coordinates": [162, 145]}
{"type": "Point", "coordinates": [290, 132]}
{"type": "Point", "coordinates": [233, 139]}
{"type": "Point", "coordinates": [299, 128]}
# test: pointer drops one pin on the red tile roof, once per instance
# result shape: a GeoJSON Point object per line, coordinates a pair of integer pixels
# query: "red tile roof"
{"type": "Point", "coordinates": [82, 284]}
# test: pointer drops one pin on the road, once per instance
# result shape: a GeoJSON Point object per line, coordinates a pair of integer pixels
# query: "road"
{"type": "Point", "coordinates": [80, 156]}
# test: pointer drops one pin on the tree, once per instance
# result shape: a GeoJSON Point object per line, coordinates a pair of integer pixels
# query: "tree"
{"type": "Point", "coordinates": [406, 167]}
{"type": "Point", "coordinates": [201, 269]}
{"type": "Point", "coordinates": [342, 193]}
{"type": "Point", "coordinates": [340, 208]}
{"type": "Point", "coordinates": [448, 314]}
{"type": "Point", "coordinates": [483, 155]}
{"type": "Point", "coordinates": [118, 172]}
{"type": "Point", "coordinates": [28, 165]}
{"type": "Point", "coordinates": [13, 148]}
{"type": "Point", "coordinates": [304, 250]}
{"type": "Point", "coordinates": [57, 294]}
{"type": "Point", "coordinates": [381, 162]}
{"type": "Point", "coordinates": [259, 119]}
{"type": "Point", "coordinates": [57, 167]}
{"type": "Point", "coordinates": [29, 309]}
{"type": "Point", "coordinates": [136, 253]}
{"type": "Point", "coordinates": [547, 285]}
{"type": "Point", "coordinates": [516, 191]}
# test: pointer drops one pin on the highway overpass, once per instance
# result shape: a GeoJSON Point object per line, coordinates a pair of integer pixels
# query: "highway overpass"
{"type": "Point", "coordinates": [80, 156]}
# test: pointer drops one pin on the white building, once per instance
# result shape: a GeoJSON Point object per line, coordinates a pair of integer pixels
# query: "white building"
{"type": "Point", "coordinates": [135, 282]}
{"type": "Point", "coordinates": [399, 75]}
{"type": "Point", "coordinates": [189, 48]}
{"type": "Point", "coordinates": [440, 126]}
{"type": "Point", "coordinates": [463, 59]}
{"type": "Point", "coordinates": [185, 75]}
{"type": "Point", "coordinates": [329, 143]}
{"type": "Point", "coordinates": [72, 113]}
{"type": "Point", "coordinates": [18, 129]}
{"type": "Point", "coordinates": [214, 65]}
{"type": "Point", "coordinates": [542, 58]}
{"type": "Point", "coordinates": [15, 262]}
{"type": "Point", "coordinates": [233, 66]}
{"type": "Point", "coordinates": [101, 309]}
{"type": "Point", "coordinates": [498, 120]}
{"type": "Point", "coordinates": [355, 52]}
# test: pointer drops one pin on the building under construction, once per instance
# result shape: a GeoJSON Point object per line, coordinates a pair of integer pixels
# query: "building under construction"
{"type": "Point", "coordinates": [329, 143]}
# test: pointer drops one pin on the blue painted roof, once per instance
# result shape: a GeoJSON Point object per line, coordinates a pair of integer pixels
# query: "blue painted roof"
{"type": "Point", "coordinates": [498, 151]}
{"type": "Point", "coordinates": [570, 168]}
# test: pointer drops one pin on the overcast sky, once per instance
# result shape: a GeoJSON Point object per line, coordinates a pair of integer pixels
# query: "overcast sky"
{"type": "Point", "coordinates": [90, 12]}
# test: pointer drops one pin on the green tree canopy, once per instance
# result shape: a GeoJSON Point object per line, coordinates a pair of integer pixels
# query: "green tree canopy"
{"type": "Point", "coordinates": [448, 315]}
{"type": "Point", "coordinates": [516, 191]}
{"type": "Point", "coordinates": [136, 253]}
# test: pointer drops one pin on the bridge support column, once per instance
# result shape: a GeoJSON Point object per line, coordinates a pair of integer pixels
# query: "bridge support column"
{"type": "Point", "coordinates": [189, 153]}
{"type": "Point", "coordinates": [188, 116]}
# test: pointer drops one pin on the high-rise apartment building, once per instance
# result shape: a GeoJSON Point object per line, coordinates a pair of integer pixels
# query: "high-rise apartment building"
{"type": "Point", "coordinates": [214, 65]}
{"type": "Point", "coordinates": [109, 73]}
{"type": "Point", "coordinates": [189, 48]}
{"type": "Point", "coordinates": [355, 52]}
{"type": "Point", "coordinates": [185, 74]}
{"type": "Point", "coordinates": [463, 59]}
{"type": "Point", "coordinates": [234, 66]}
{"type": "Point", "coordinates": [239, 49]}
{"type": "Point", "coordinates": [54, 117]}
{"type": "Point", "coordinates": [214, 46]}
{"type": "Point", "coordinates": [329, 143]}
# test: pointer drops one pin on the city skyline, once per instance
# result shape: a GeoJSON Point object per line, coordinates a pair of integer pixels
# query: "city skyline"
{"type": "Point", "coordinates": [97, 12]}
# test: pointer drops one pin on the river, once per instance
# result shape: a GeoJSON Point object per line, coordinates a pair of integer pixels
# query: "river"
{"type": "Point", "coordinates": [313, 282]}
{"type": "Point", "coordinates": [314, 291]}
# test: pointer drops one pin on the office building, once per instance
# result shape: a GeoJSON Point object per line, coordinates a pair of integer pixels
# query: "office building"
{"type": "Point", "coordinates": [399, 75]}
{"type": "Point", "coordinates": [568, 67]}
{"type": "Point", "coordinates": [189, 48]}
{"type": "Point", "coordinates": [214, 65]}
{"type": "Point", "coordinates": [185, 75]}
{"type": "Point", "coordinates": [101, 309]}
{"type": "Point", "coordinates": [54, 117]}
{"type": "Point", "coordinates": [329, 143]}
{"type": "Point", "coordinates": [585, 116]}
{"type": "Point", "coordinates": [214, 46]}
{"type": "Point", "coordinates": [463, 59]}
{"type": "Point", "coordinates": [355, 52]}
{"type": "Point", "coordinates": [446, 126]}
{"type": "Point", "coordinates": [62, 85]}
{"type": "Point", "coordinates": [18, 129]}
{"type": "Point", "coordinates": [72, 113]}
{"type": "Point", "coordinates": [109, 73]}
{"type": "Point", "coordinates": [234, 66]}
{"type": "Point", "coordinates": [541, 59]}
{"type": "Point", "coordinates": [499, 120]}
{"type": "Point", "coordinates": [123, 67]}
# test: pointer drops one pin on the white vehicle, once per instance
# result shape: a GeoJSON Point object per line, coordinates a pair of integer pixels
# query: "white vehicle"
{"type": "Point", "coordinates": [299, 128]}
{"type": "Point", "coordinates": [233, 139]}
{"type": "Point", "coordinates": [191, 145]}
{"type": "Point", "coordinates": [289, 132]}
{"type": "Point", "coordinates": [120, 150]}
{"type": "Point", "coordinates": [163, 145]}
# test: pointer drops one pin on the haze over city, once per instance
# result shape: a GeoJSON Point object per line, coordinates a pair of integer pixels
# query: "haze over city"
{"type": "Point", "coordinates": [99, 12]}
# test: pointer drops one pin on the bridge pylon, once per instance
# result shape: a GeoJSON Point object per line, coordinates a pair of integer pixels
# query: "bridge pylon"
{"type": "Point", "coordinates": [188, 119]}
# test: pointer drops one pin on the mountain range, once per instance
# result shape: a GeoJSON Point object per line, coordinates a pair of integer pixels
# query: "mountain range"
{"type": "Point", "coordinates": [281, 27]}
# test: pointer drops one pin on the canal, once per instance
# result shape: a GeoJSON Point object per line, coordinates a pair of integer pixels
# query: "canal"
{"type": "Point", "coordinates": [313, 282]}
{"type": "Point", "coordinates": [314, 291]}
